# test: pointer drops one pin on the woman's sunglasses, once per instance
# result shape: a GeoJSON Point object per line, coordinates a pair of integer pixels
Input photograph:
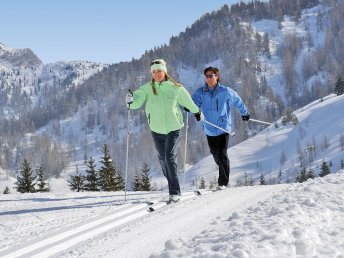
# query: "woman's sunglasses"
{"type": "Point", "coordinates": [208, 76]}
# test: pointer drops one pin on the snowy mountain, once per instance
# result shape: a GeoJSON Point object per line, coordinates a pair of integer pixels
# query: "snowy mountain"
{"type": "Point", "coordinates": [25, 80]}
{"type": "Point", "coordinates": [15, 58]}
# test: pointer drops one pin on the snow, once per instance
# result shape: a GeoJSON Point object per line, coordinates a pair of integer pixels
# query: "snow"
{"type": "Point", "coordinates": [295, 220]}
{"type": "Point", "coordinates": [281, 220]}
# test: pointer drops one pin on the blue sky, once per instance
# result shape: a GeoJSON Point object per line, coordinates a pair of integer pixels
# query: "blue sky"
{"type": "Point", "coordinates": [103, 31]}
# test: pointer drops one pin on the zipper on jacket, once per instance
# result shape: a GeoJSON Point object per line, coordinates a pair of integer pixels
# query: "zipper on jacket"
{"type": "Point", "coordinates": [217, 105]}
{"type": "Point", "coordinates": [149, 118]}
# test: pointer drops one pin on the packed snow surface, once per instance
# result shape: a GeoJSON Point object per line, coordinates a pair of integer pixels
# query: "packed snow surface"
{"type": "Point", "coordinates": [284, 220]}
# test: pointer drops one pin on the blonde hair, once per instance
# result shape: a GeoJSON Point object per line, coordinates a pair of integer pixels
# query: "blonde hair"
{"type": "Point", "coordinates": [167, 78]}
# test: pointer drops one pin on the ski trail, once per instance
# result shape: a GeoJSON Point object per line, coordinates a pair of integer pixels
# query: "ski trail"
{"type": "Point", "coordinates": [75, 235]}
{"type": "Point", "coordinates": [80, 233]}
{"type": "Point", "coordinates": [180, 220]}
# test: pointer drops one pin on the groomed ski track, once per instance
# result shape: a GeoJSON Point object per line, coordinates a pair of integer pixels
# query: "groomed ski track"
{"type": "Point", "coordinates": [123, 232]}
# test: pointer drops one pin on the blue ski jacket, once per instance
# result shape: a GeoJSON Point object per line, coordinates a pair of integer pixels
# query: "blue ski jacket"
{"type": "Point", "coordinates": [215, 104]}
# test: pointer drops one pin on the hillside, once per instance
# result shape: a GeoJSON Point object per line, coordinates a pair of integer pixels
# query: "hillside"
{"type": "Point", "coordinates": [321, 126]}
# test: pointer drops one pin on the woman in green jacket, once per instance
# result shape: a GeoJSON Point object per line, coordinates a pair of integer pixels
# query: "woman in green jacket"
{"type": "Point", "coordinates": [163, 97]}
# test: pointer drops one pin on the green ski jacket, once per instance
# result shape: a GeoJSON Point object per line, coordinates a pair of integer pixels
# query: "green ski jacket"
{"type": "Point", "coordinates": [162, 110]}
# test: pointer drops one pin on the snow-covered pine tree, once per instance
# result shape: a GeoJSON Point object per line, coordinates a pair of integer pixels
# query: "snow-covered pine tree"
{"type": "Point", "coordinates": [289, 117]}
{"type": "Point", "coordinates": [109, 177]}
{"type": "Point", "coordinates": [213, 183]}
{"type": "Point", "coordinates": [92, 179]}
{"type": "Point", "coordinates": [145, 178]}
{"type": "Point", "coordinates": [339, 86]}
{"type": "Point", "coordinates": [310, 174]}
{"type": "Point", "coordinates": [202, 183]}
{"type": "Point", "coordinates": [325, 169]}
{"type": "Point", "coordinates": [42, 185]}
{"type": "Point", "coordinates": [25, 181]}
{"type": "Point", "coordinates": [279, 178]}
{"type": "Point", "coordinates": [137, 182]}
{"type": "Point", "coordinates": [76, 181]}
{"type": "Point", "coordinates": [262, 179]}
{"type": "Point", "coordinates": [304, 175]}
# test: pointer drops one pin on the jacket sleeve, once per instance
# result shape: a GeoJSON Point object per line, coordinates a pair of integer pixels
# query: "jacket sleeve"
{"type": "Point", "coordinates": [197, 99]}
{"type": "Point", "coordinates": [237, 102]}
{"type": "Point", "coordinates": [140, 97]}
{"type": "Point", "coordinates": [185, 100]}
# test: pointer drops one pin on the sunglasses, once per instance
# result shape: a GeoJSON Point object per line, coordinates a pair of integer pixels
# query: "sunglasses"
{"type": "Point", "coordinates": [155, 62]}
{"type": "Point", "coordinates": [210, 76]}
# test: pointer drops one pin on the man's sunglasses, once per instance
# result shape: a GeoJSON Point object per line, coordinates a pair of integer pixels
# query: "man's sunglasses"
{"type": "Point", "coordinates": [155, 62]}
{"type": "Point", "coordinates": [210, 76]}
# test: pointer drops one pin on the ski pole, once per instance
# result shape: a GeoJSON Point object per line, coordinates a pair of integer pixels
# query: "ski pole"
{"type": "Point", "coordinates": [259, 121]}
{"type": "Point", "coordinates": [185, 146]}
{"type": "Point", "coordinates": [127, 153]}
{"type": "Point", "coordinates": [230, 133]}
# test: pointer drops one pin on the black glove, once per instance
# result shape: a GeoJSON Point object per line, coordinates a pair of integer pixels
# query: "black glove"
{"type": "Point", "coordinates": [199, 116]}
{"type": "Point", "coordinates": [245, 117]}
{"type": "Point", "coordinates": [186, 110]}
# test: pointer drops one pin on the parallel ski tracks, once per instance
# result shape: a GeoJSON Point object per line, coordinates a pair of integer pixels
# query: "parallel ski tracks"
{"type": "Point", "coordinates": [62, 240]}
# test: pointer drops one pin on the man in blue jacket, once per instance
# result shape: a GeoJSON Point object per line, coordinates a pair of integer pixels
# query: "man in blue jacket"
{"type": "Point", "coordinates": [215, 101]}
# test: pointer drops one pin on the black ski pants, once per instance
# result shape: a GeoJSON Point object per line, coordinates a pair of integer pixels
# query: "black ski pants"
{"type": "Point", "coordinates": [167, 147]}
{"type": "Point", "coordinates": [218, 148]}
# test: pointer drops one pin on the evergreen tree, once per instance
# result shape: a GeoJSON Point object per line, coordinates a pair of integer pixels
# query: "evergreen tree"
{"type": "Point", "coordinates": [145, 178]}
{"type": "Point", "coordinates": [279, 177]}
{"type": "Point", "coordinates": [7, 190]}
{"type": "Point", "coordinates": [339, 86]}
{"type": "Point", "coordinates": [25, 180]}
{"type": "Point", "coordinates": [109, 177]}
{"type": "Point", "coordinates": [302, 176]}
{"type": "Point", "coordinates": [76, 181]}
{"type": "Point", "coordinates": [310, 174]}
{"type": "Point", "coordinates": [248, 180]}
{"type": "Point", "coordinates": [262, 179]}
{"type": "Point", "coordinates": [91, 183]}
{"type": "Point", "coordinates": [202, 183]}
{"type": "Point", "coordinates": [342, 164]}
{"type": "Point", "coordinates": [289, 117]}
{"type": "Point", "coordinates": [325, 169]}
{"type": "Point", "coordinates": [137, 182]}
{"type": "Point", "coordinates": [42, 185]}
{"type": "Point", "coordinates": [213, 183]}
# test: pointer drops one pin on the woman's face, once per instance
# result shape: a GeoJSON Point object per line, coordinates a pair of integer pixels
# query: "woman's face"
{"type": "Point", "coordinates": [158, 75]}
{"type": "Point", "coordinates": [211, 79]}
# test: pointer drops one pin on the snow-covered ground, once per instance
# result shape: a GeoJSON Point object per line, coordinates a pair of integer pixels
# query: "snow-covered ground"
{"type": "Point", "coordinates": [281, 220]}
{"type": "Point", "coordinates": [294, 220]}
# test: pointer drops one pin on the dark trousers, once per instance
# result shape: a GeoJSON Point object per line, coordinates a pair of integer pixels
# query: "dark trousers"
{"type": "Point", "coordinates": [167, 147]}
{"type": "Point", "coordinates": [218, 148]}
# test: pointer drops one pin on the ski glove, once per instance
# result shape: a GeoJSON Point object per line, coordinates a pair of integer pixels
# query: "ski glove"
{"type": "Point", "coordinates": [199, 116]}
{"type": "Point", "coordinates": [245, 117]}
{"type": "Point", "coordinates": [129, 98]}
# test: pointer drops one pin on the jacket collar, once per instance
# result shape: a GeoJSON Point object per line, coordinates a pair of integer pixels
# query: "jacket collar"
{"type": "Point", "coordinates": [206, 88]}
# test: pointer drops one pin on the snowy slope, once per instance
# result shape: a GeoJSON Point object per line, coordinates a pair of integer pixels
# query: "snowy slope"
{"type": "Point", "coordinates": [261, 154]}
{"type": "Point", "coordinates": [297, 220]}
